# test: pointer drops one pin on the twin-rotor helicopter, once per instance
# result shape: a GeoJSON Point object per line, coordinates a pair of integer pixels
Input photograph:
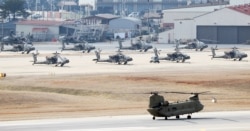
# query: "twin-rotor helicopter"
{"type": "Point", "coordinates": [158, 107]}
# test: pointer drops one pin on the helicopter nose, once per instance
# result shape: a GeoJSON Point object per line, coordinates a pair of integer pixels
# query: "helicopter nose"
{"type": "Point", "coordinates": [32, 48]}
{"type": "Point", "coordinates": [187, 57]}
{"type": "Point", "coordinates": [201, 107]}
{"type": "Point", "coordinates": [66, 61]}
{"type": "Point", "coordinates": [130, 59]}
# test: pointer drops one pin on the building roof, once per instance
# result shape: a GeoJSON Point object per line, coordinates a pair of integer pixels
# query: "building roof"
{"type": "Point", "coordinates": [103, 16]}
{"type": "Point", "coordinates": [241, 8]}
{"type": "Point", "coordinates": [107, 16]}
{"type": "Point", "coordinates": [152, 16]}
{"type": "Point", "coordinates": [68, 3]}
{"type": "Point", "coordinates": [40, 23]}
{"type": "Point", "coordinates": [135, 20]}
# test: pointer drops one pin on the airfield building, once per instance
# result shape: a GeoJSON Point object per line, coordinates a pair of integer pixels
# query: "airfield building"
{"type": "Point", "coordinates": [228, 25]}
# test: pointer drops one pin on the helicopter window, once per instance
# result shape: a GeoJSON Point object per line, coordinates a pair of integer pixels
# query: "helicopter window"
{"type": "Point", "coordinates": [174, 108]}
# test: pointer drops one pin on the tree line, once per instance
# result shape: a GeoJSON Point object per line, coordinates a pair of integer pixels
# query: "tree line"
{"type": "Point", "coordinates": [13, 7]}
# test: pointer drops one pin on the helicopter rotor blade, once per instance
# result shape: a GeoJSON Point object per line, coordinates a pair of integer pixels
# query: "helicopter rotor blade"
{"type": "Point", "coordinates": [176, 92]}
{"type": "Point", "coordinates": [173, 92]}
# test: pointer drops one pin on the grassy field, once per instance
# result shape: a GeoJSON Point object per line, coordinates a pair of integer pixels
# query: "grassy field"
{"type": "Point", "coordinates": [36, 97]}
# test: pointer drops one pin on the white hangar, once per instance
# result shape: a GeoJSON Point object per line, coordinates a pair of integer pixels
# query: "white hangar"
{"type": "Point", "coordinates": [128, 26]}
{"type": "Point", "coordinates": [124, 23]}
{"type": "Point", "coordinates": [229, 25]}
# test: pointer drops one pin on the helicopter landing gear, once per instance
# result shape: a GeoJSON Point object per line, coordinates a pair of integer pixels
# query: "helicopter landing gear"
{"type": "Point", "coordinates": [153, 118]}
{"type": "Point", "coordinates": [177, 117]}
{"type": "Point", "coordinates": [189, 117]}
{"type": "Point", "coordinates": [166, 118]}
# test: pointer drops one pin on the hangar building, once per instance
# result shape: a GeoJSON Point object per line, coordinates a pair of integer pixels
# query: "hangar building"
{"type": "Point", "coordinates": [128, 25]}
{"type": "Point", "coordinates": [229, 25]}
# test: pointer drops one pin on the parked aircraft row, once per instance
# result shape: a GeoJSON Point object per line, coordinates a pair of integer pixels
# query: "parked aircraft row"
{"type": "Point", "coordinates": [25, 45]}
{"type": "Point", "coordinates": [120, 58]}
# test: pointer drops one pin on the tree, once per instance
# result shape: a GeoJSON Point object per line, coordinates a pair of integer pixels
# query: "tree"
{"type": "Point", "coordinates": [14, 7]}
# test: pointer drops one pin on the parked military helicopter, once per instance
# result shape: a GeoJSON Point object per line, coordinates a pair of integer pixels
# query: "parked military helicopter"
{"type": "Point", "coordinates": [175, 56]}
{"type": "Point", "coordinates": [56, 59]}
{"type": "Point", "coordinates": [117, 58]}
{"type": "Point", "coordinates": [233, 54]}
{"type": "Point", "coordinates": [17, 44]}
{"type": "Point", "coordinates": [24, 47]}
{"type": "Point", "coordinates": [139, 45]}
{"type": "Point", "coordinates": [79, 44]}
{"type": "Point", "coordinates": [195, 44]}
{"type": "Point", "coordinates": [158, 107]}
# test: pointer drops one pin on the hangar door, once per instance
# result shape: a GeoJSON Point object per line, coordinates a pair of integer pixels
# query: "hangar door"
{"type": "Point", "coordinates": [244, 34]}
{"type": "Point", "coordinates": [227, 35]}
{"type": "Point", "coordinates": [208, 34]}
{"type": "Point", "coordinates": [223, 34]}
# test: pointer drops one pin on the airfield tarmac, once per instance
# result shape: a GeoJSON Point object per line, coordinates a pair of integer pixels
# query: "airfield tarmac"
{"type": "Point", "coordinates": [84, 88]}
{"type": "Point", "coordinates": [206, 121]}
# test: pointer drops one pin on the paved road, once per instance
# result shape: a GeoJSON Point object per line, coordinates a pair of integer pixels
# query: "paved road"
{"type": "Point", "coordinates": [209, 121]}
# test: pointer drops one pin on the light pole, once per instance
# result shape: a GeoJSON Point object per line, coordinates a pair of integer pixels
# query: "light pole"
{"type": "Point", "coordinates": [148, 19]}
{"type": "Point", "coordinates": [2, 27]}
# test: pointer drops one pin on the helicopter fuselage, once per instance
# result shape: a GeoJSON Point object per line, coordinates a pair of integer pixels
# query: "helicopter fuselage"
{"type": "Point", "coordinates": [176, 108]}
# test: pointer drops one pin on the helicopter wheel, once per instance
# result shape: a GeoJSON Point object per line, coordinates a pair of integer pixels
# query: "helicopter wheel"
{"type": "Point", "coordinates": [166, 118]}
{"type": "Point", "coordinates": [153, 118]}
{"type": "Point", "coordinates": [188, 117]}
{"type": "Point", "coordinates": [177, 117]}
